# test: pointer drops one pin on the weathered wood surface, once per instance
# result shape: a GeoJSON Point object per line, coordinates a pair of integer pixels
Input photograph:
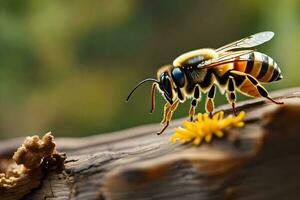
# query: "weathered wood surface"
{"type": "Point", "coordinates": [259, 161]}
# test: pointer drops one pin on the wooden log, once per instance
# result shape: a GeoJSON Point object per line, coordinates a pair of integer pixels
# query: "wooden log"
{"type": "Point", "coordinates": [259, 161]}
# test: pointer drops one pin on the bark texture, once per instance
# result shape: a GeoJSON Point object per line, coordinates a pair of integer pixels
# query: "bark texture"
{"type": "Point", "coordinates": [259, 161]}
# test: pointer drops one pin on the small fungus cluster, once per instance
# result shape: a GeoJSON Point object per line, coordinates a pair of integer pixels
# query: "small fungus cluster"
{"type": "Point", "coordinates": [33, 150]}
{"type": "Point", "coordinates": [205, 127]}
{"type": "Point", "coordinates": [28, 157]}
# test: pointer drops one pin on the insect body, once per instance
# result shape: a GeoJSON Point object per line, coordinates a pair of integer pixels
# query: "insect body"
{"type": "Point", "coordinates": [201, 71]}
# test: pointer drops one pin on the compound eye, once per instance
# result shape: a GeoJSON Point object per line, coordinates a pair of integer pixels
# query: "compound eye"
{"type": "Point", "coordinates": [165, 85]}
{"type": "Point", "coordinates": [178, 77]}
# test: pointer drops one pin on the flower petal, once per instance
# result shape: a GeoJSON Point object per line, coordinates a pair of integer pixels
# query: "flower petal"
{"type": "Point", "coordinates": [208, 137]}
{"type": "Point", "coordinates": [205, 127]}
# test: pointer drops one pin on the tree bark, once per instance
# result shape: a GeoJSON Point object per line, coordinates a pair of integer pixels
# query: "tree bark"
{"type": "Point", "coordinates": [259, 161]}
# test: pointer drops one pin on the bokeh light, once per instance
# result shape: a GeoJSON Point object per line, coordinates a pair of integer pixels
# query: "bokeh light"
{"type": "Point", "coordinates": [67, 66]}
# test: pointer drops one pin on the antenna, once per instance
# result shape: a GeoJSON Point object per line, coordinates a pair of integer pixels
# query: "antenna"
{"type": "Point", "coordinates": [139, 84]}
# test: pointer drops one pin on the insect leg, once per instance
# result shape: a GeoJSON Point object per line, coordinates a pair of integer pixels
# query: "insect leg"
{"type": "Point", "coordinates": [263, 92]}
{"type": "Point", "coordinates": [153, 97]}
{"type": "Point", "coordinates": [164, 128]}
{"type": "Point", "coordinates": [249, 86]}
{"type": "Point", "coordinates": [168, 116]}
{"type": "Point", "coordinates": [194, 102]}
{"type": "Point", "coordinates": [166, 110]}
{"type": "Point", "coordinates": [230, 93]}
{"type": "Point", "coordinates": [210, 106]}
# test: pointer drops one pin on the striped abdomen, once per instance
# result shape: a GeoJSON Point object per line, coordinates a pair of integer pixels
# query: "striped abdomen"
{"type": "Point", "coordinates": [259, 65]}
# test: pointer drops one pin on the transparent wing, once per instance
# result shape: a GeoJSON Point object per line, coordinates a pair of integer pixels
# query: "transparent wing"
{"type": "Point", "coordinates": [247, 42]}
{"type": "Point", "coordinates": [231, 54]}
{"type": "Point", "coordinates": [225, 58]}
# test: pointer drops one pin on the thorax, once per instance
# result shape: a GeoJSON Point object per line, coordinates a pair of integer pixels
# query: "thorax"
{"type": "Point", "coordinates": [194, 58]}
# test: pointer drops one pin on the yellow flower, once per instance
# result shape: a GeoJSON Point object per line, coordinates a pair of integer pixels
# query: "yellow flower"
{"type": "Point", "coordinates": [205, 127]}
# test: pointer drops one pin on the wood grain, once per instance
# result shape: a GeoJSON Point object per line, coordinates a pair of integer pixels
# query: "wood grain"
{"type": "Point", "coordinates": [259, 161]}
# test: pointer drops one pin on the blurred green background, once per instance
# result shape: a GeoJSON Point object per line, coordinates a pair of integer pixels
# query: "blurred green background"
{"type": "Point", "coordinates": [67, 66]}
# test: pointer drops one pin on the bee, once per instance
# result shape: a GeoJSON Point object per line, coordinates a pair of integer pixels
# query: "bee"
{"type": "Point", "coordinates": [201, 71]}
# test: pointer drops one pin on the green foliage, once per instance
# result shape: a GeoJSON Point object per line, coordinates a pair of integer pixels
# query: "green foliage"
{"type": "Point", "coordinates": [67, 66]}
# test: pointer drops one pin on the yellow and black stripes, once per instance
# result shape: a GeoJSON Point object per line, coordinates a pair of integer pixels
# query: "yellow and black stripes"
{"type": "Point", "coordinates": [276, 74]}
{"type": "Point", "coordinates": [260, 66]}
{"type": "Point", "coordinates": [250, 63]}
{"type": "Point", "coordinates": [243, 75]}
{"type": "Point", "coordinates": [230, 93]}
{"type": "Point", "coordinates": [248, 85]}
{"type": "Point", "coordinates": [264, 67]}
{"type": "Point", "coordinates": [210, 106]}
{"type": "Point", "coordinates": [231, 90]}
{"type": "Point", "coordinates": [194, 102]}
